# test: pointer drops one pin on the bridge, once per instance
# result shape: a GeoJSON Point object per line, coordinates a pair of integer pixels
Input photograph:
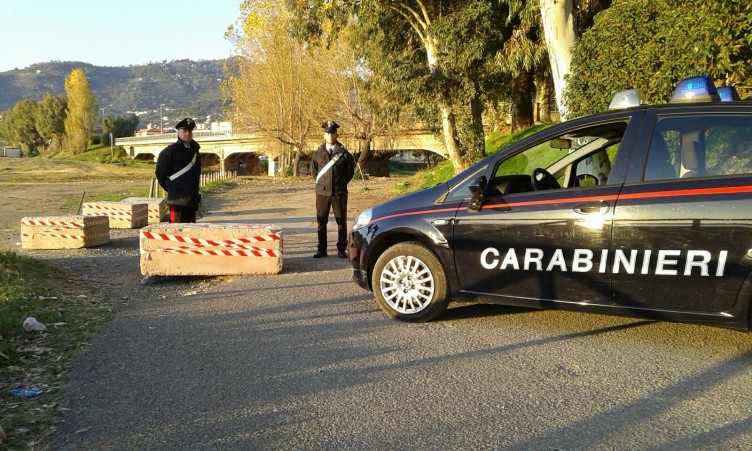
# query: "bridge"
{"type": "Point", "coordinates": [234, 150]}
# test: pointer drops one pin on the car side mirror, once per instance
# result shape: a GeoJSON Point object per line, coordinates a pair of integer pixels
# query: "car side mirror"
{"type": "Point", "coordinates": [478, 190]}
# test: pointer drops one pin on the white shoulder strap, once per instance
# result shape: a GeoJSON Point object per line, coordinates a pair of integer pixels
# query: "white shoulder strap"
{"type": "Point", "coordinates": [328, 166]}
{"type": "Point", "coordinates": [185, 169]}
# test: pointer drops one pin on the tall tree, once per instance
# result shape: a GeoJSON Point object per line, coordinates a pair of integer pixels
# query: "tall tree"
{"type": "Point", "coordinates": [438, 55]}
{"type": "Point", "coordinates": [81, 113]}
{"type": "Point", "coordinates": [278, 88]}
{"type": "Point", "coordinates": [50, 121]}
{"type": "Point", "coordinates": [563, 21]}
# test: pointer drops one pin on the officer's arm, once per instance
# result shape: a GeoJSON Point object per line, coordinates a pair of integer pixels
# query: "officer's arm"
{"type": "Point", "coordinates": [162, 171]}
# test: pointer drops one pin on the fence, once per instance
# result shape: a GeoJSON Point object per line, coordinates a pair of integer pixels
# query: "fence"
{"type": "Point", "coordinates": [207, 177]}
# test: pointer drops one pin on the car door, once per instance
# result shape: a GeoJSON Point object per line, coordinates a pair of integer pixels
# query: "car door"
{"type": "Point", "coordinates": [682, 236]}
{"type": "Point", "coordinates": [546, 244]}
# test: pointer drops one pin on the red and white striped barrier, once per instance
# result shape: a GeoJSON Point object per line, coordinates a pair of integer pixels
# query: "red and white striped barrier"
{"type": "Point", "coordinates": [64, 232]}
{"type": "Point", "coordinates": [210, 249]}
{"type": "Point", "coordinates": [123, 215]}
{"type": "Point", "coordinates": [156, 206]}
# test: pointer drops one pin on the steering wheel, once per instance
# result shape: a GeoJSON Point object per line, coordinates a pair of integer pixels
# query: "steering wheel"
{"type": "Point", "coordinates": [543, 180]}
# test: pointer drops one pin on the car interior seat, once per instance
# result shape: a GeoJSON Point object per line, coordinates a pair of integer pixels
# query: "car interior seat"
{"type": "Point", "coordinates": [692, 160]}
{"type": "Point", "coordinates": [659, 167]}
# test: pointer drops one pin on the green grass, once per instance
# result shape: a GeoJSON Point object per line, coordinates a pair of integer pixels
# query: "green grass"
{"type": "Point", "coordinates": [30, 287]}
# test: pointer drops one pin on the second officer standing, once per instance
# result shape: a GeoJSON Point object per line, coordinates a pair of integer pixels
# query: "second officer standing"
{"type": "Point", "coordinates": [333, 168]}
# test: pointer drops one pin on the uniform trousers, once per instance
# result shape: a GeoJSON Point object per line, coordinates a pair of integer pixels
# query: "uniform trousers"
{"type": "Point", "coordinates": [182, 214]}
{"type": "Point", "coordinates": [338, 204]}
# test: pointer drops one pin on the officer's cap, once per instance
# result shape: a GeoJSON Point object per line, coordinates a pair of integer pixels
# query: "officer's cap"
{"type": "Point", "coordinates": [187, 123]}
{"type": "Point", "coordinates": [330, 126]}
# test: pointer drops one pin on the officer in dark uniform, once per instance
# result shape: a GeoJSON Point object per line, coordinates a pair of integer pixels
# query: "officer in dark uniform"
{"type": "Point", "coordinates": [179, 173]}
{"type": "Point", "coordinates": [333, 168]}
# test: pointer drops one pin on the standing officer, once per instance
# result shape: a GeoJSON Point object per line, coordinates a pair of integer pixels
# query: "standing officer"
{"type": "Point", "coordinates": [179, 173]}
{"type": "Point", "coordinates": [333, 168]}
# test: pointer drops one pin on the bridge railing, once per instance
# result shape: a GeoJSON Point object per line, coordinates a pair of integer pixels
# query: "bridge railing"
{"type": "Point", "coordinates": [207, 177]}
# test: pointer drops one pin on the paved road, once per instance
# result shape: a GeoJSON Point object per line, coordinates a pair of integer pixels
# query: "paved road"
{"type": "Point", "coordinates": [304, 360]}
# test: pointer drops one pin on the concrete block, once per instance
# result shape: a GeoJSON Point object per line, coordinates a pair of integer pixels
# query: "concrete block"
{"type": "Point", "coordinates": [122, 215]}
{"type": "Point", "coordinates": [207, 249]}
{"type": "Point", "coordinates": [157, 210]}
{"type": "Point", "coordinates": [64, 232]}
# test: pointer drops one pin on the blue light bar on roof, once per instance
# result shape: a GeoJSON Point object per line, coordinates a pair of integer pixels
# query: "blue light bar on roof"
{"type": "Point", "coordinates": [728, 94]}
{"type": "Point", "coordinates": [696, 89]}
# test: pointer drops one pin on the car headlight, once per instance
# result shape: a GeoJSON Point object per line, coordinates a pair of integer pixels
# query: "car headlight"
{"type": "Point", "coordinates": [363, 218]}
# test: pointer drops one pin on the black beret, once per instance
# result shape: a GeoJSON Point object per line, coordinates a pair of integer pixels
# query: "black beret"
{"type": "Point", "coordinates": [330, 126]}
{"type": "Point", "coordinates": [186, 123]}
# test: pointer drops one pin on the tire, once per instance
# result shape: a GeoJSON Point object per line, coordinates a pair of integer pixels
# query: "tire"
{"type": "Point", "coordinates": [410, 283]}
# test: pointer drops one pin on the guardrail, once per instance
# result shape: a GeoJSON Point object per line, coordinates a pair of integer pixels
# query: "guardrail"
{"type": "Point", "coordinates": [205, 179]}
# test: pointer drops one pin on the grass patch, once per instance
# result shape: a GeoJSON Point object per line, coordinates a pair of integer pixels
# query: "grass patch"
{"type": "Point", "coordinates": [30, 287]}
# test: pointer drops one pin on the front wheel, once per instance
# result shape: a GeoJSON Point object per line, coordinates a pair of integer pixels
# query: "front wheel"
{"type": "Point", "coordinates": [409, 283]}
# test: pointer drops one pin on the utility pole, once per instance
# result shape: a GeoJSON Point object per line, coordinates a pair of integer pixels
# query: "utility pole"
{"type": "Point", "coordinates": [161, 127]}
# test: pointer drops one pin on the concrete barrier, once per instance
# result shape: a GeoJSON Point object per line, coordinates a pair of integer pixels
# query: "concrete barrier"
{"type": "Point", "coordinates": [64, 232]}
{"type": "Point", "coordinates": [122, 215]}
{"type": "Point", "coordinates": [206, 249]}
{"type": "Point", "coordinates": [157, 210]}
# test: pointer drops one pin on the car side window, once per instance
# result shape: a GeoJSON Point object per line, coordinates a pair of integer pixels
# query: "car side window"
{"type": "Point", "coordinates": [577, 159]}
{"type": "Point", "coordinates": [691, 146]}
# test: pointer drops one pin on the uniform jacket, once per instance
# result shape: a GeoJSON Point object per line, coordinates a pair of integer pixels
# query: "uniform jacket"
{"type": "Point", "coordinates": [184, 189]}
{"type": "Point", "coordinates": [334, 181]}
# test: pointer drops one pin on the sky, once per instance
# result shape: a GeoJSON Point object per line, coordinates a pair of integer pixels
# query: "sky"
{"type": "Point", "coordinates": [114, 33]}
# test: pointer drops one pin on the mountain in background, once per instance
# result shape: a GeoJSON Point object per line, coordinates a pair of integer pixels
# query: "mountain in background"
{"type": "Point", "coordinates": [186, 88]}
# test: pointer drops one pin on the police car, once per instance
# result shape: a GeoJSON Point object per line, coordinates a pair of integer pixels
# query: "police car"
{"type": "Point", "coordinates": [643, 210]}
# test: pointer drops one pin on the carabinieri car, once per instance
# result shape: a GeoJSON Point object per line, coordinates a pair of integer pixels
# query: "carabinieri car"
{"type": "Point", "coordinates": [643, 210]}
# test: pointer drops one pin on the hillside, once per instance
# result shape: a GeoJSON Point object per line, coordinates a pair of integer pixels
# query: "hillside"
{"type": "Point", "coordinates": [185, 87]}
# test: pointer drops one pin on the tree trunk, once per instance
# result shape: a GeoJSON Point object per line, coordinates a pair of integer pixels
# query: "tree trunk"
{"type": "Point", "coordinates": [448, 120]}
{"type": "Point", "coordinates": [295, 162]}
{"type": "Point", "coordinates": [522, 101]}
{"type": "Point", "coordinates": [365, 151]}
{"type": "Point", "coordinates": [542, 96]}
{"type": "Point", "coordinates": [558, 30]}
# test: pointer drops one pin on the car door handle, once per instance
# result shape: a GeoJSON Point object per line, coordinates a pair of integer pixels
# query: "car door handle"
{"type": "Point", "coordinates": [590, 208]}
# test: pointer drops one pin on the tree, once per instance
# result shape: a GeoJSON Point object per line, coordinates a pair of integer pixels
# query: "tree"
{"type": "Point", "coordinates": [437, 55]}
{"type": "Point", "coordinates": [278, 88]}
{"type": "Point", "coordinates": [563, 21]}
{"type": "Point", "coordinates": [557, 19]}
{"type": "Point", "coordinates": [81, 113]}
{"type": "Point", "coordinates": [653, 45]}
{"type": "Point", "coordinates": [18, 128]}
{"type": "Point", "coordinates": [120, 126]}
{"type": "Point", "coordinates": [50, 121]}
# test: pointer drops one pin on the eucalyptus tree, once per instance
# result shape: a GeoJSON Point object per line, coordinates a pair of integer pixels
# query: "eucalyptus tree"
{"type": "Point", "coordinates": [563, 21]}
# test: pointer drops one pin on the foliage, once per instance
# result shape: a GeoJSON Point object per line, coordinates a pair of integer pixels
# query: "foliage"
{"type": "Point", "coordinates": [17, 126]}
{"type": "Point", "coordinates": [652, 45]}
{"type": "Point", "coordinates": [120, 126]}
{"type": "Point", "coordinates": [50, 121]}
{"type": "Point", "coordinates": [436, 55]}
{"type": "Point", "coordinates": [278, 88]}
{"type": "Point", "coordinates": [81, 113]}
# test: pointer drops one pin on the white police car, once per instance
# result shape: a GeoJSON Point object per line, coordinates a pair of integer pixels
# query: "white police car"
{"type": "Point", "coordinates": [641, 211]}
